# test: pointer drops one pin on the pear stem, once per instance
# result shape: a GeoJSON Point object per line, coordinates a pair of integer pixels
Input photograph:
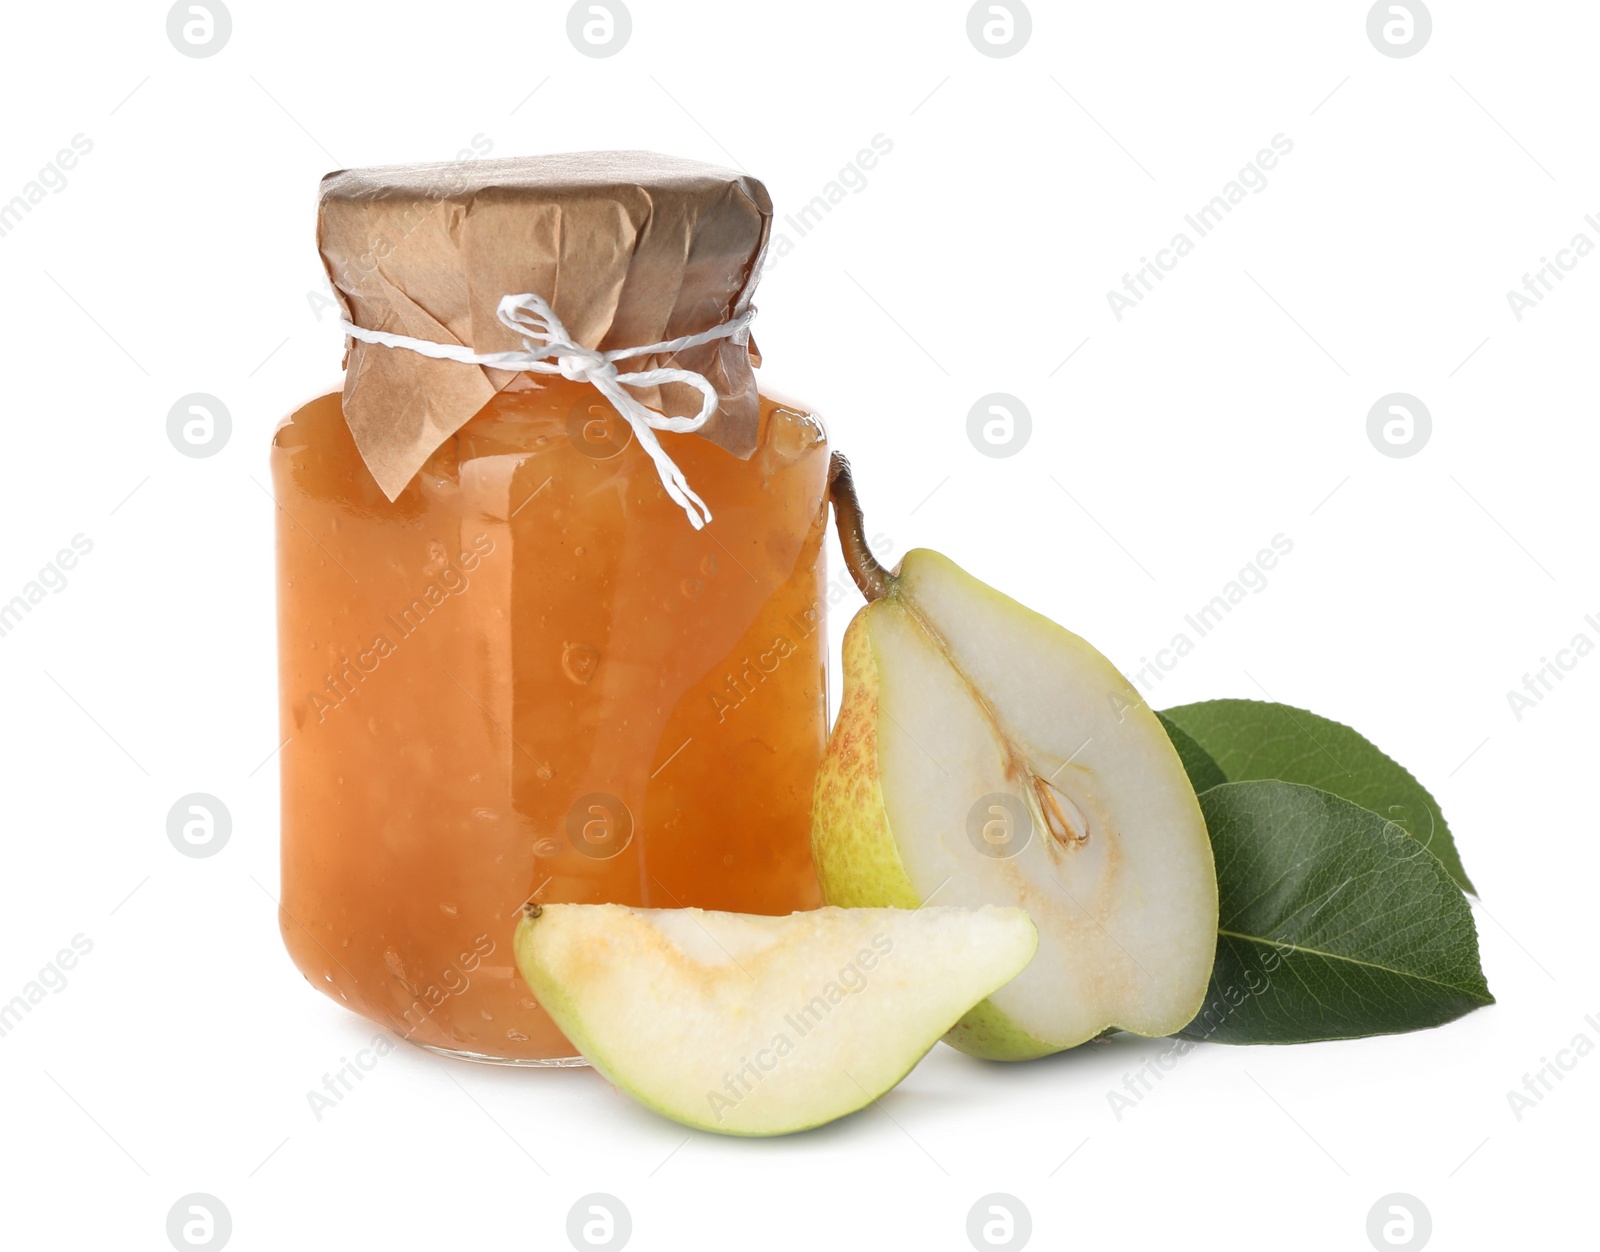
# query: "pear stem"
{"type": "Point", "coordinates": [869, 575]}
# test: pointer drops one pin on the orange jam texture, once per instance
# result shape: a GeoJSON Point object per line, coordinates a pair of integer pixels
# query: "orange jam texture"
{"type": "Point", "coordinates": [530, 678]}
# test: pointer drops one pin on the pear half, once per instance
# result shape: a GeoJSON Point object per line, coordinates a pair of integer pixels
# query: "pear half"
{"type": "Point", "coordinates": [983, 755]}
{"type": "Point", "coordinates": [751, 1025]}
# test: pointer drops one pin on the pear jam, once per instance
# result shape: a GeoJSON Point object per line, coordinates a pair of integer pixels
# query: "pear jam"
{"type": "Point", "coordinates": [530, 678]}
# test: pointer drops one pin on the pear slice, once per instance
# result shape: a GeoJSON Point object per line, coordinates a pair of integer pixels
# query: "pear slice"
{"type": "Point", "coordinates": [983, 755]}
{"type": "Point", "coordinates": [751, 1025]}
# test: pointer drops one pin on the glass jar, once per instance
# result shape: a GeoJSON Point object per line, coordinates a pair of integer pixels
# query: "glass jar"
{"type": "Point", "coordinates": [527, 677]}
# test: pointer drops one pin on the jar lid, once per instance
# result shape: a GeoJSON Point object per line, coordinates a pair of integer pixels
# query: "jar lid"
{"type": "Point", "coordinates": [629, 248]}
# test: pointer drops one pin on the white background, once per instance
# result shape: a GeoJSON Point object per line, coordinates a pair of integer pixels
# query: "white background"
{"type": "Point", "coordinates": [1230, 406]}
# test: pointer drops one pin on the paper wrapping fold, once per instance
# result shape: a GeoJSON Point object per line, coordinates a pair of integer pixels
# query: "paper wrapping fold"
{"type": "Point", "coordinates": [630, 248]}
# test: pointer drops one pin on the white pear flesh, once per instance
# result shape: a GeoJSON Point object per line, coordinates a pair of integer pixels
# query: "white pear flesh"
{"type": "Point", "coordinates": [957, 697]}
{"type": "Point", "coordinates": [750, 1025]}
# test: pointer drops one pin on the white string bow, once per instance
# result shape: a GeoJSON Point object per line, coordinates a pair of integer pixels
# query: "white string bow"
{"type": "Point", "coordinates": [549, 349]}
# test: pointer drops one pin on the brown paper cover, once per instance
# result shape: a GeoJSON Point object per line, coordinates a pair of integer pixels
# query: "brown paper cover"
{"type": "Point", "coordinates": [630, 248]}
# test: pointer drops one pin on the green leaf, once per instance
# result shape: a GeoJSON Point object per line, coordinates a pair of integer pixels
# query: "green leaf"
{"type": "Point", "coordinates": [1204, 773]}
{"type": "Point", "coordinates": [1252, 739]}
{"type": "Point", "coordinates": [1333, 923]}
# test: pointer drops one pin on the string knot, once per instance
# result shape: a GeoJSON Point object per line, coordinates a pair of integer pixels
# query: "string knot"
{"type": "Point", "coordinates": [547, 348]}
{"type": "Point", "coordinates": [578, 367]}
